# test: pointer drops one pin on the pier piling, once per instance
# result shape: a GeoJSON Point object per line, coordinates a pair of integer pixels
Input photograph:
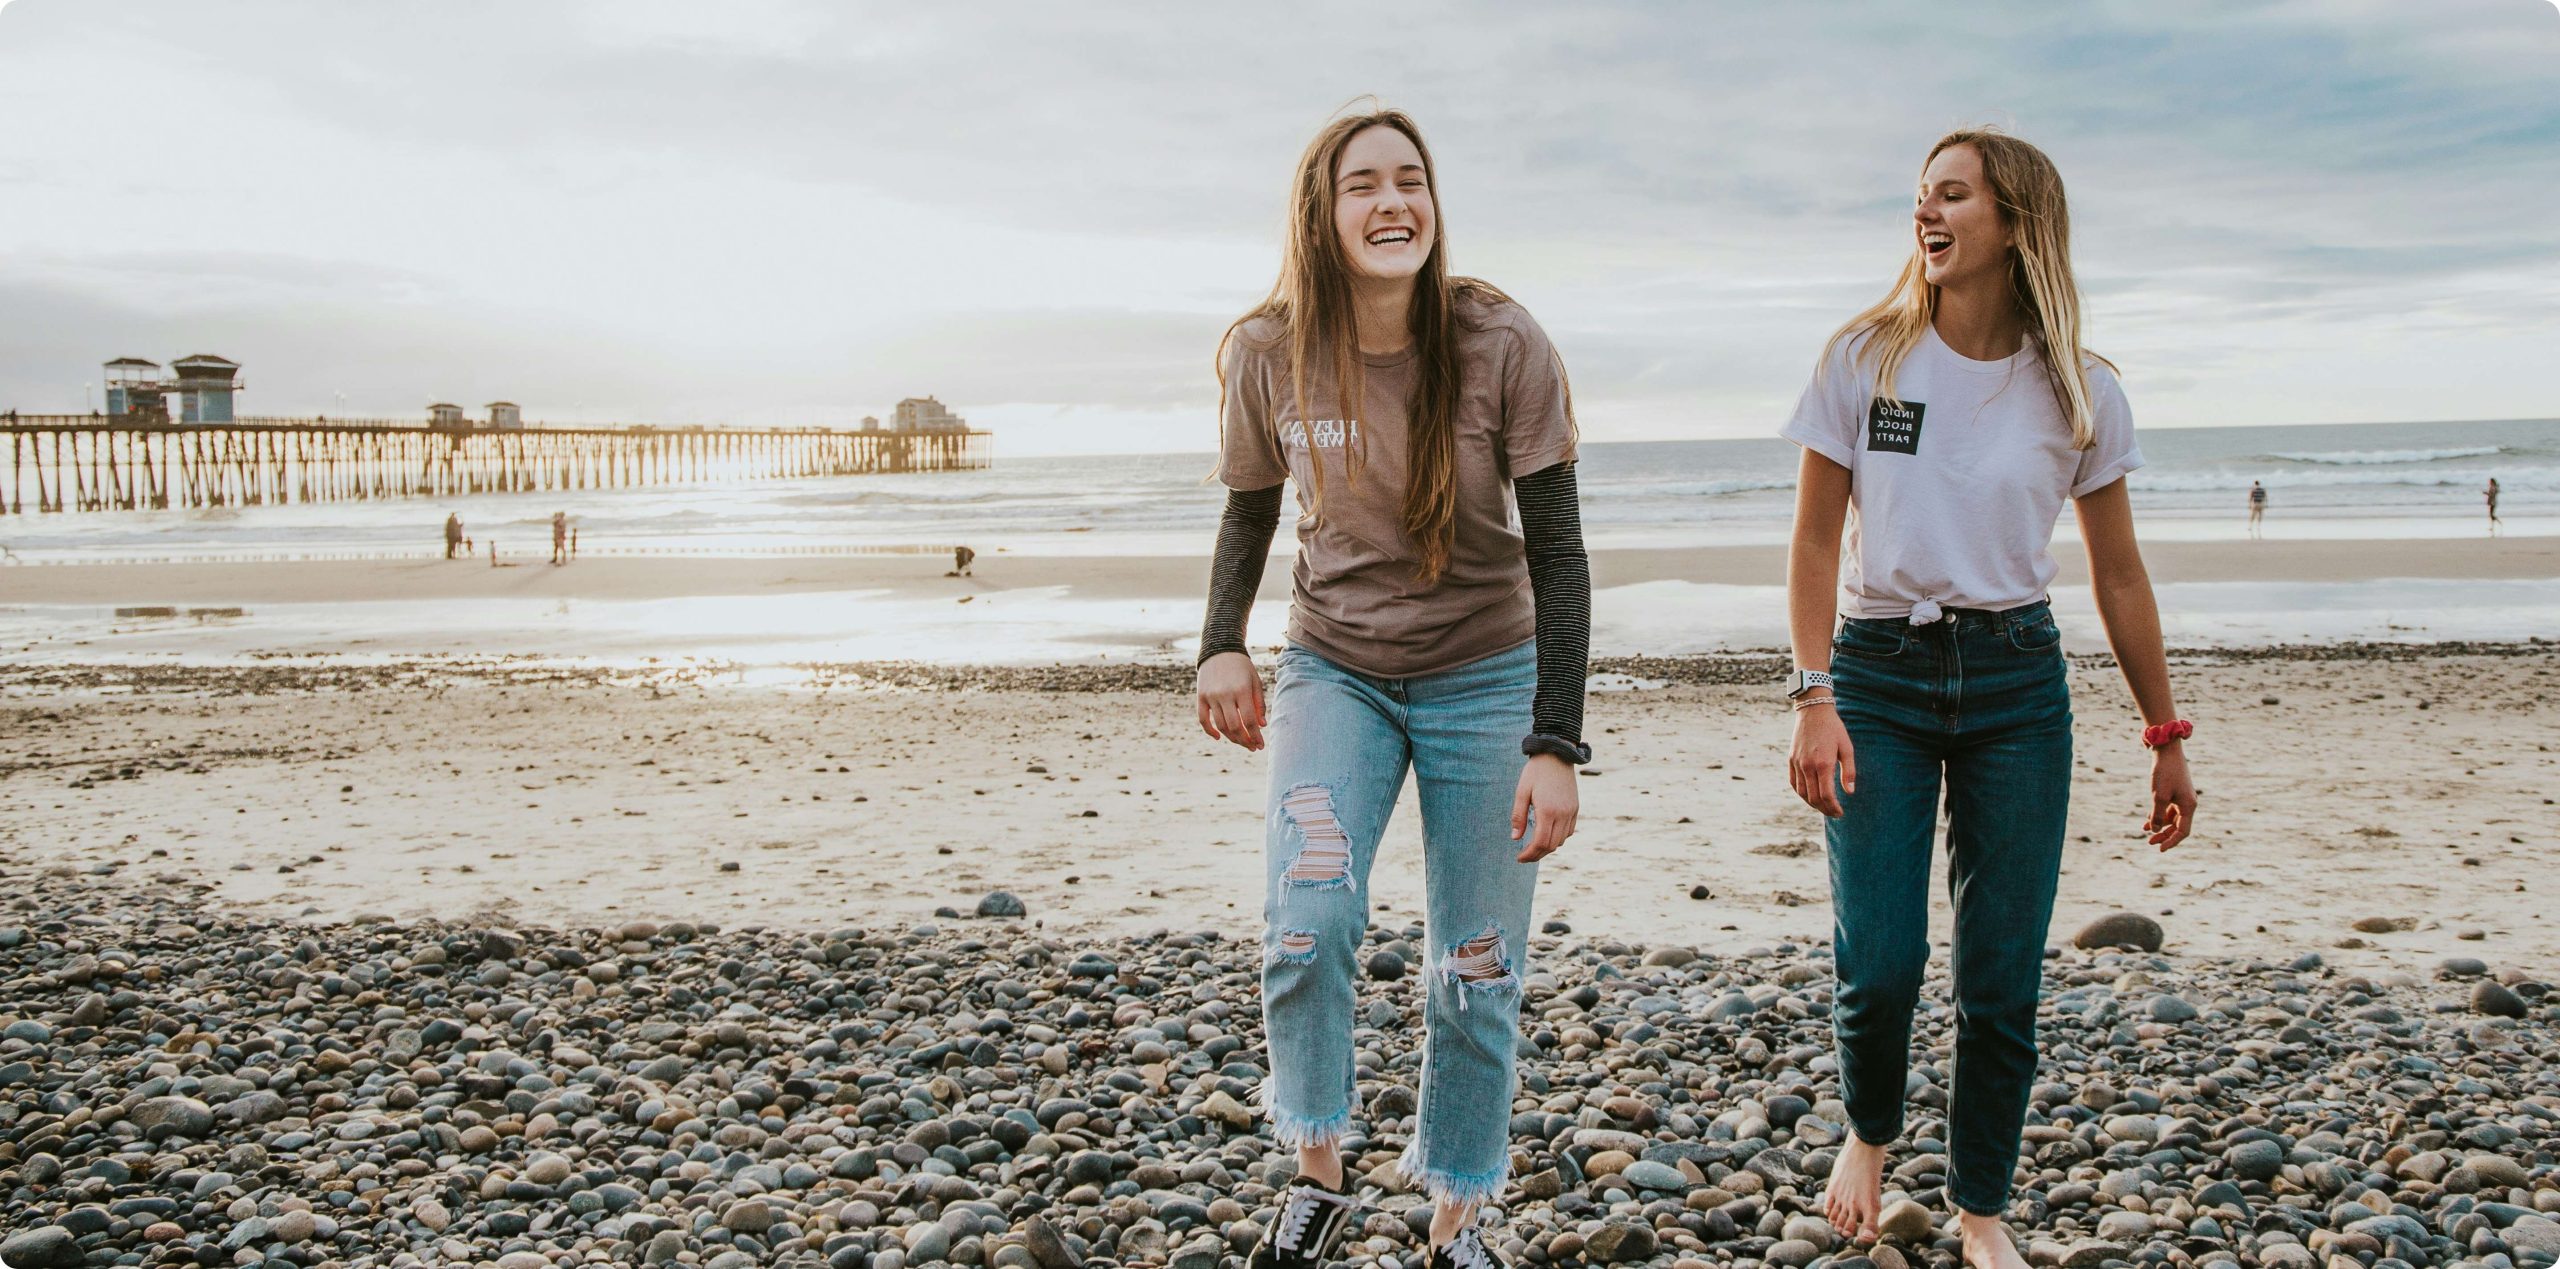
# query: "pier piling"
{"type": "Point", "coordinates": [93, 463]}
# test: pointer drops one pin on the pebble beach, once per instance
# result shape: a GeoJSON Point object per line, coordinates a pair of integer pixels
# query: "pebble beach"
{"type": "Point", "coordinates": [188, 1087]}
{"type": "Point", "coordinates": [307, 963]}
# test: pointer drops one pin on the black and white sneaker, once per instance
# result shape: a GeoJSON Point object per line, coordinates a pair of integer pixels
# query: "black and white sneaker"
{"type": "Point", "coordinates": [1310, 1223]}
{"type": "Point", "coordinates": [1466, 1251]}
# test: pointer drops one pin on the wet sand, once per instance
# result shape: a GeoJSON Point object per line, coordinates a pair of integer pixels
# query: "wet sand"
{"type": "Point", "coordinates": [1128, 577]}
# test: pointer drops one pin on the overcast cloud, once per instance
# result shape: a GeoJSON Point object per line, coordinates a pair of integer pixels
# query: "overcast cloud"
{"type": "Point", "coordinates": [799, 212]}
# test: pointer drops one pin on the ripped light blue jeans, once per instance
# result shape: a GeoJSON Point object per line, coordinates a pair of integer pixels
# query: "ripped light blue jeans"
{"type": "Point", "coordinates": [1341, 742]}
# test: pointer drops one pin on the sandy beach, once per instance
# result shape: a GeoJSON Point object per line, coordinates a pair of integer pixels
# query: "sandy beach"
{"type": "Point", "coordinates": [358, 926]}
{"type": "Point", "coordinates": [2405, 787]}
{"type": "Point", "coordinates": [2413, 781]}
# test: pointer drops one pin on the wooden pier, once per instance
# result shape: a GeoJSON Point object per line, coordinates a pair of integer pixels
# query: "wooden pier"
{"type": "Point", "coordinates": [74, 462]}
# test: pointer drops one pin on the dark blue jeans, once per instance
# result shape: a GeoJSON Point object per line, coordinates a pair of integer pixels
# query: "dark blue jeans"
{"type": "Point", "coordinates": [1979, 699]}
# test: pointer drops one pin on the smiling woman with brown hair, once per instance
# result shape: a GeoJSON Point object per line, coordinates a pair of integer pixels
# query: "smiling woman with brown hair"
{"type": "Point", "coordinates": [1432, 628]}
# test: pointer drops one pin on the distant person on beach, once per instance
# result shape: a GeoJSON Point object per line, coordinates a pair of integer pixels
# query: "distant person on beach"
{"type": "Point", "coordinates": [1428, 633]}
{"type": "Point", "coordinates": [961, 558]}
{"type": "Point", "coordinates": [559, 537]}
{"type": "Point", "coordinates": [1946, 668]}
{"type": "Point", "coordinates": [2492, 494]}
{"type": "Point", "coordinates": [573, 544]}
{"type": "Point", "coordinates": [2257, 506]}
{"type": "Point", "coordinates": [452, 533]}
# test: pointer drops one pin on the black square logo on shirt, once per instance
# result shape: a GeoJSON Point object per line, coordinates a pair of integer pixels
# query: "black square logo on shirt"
{"type": "Point", "coordinates": [1894, 426]}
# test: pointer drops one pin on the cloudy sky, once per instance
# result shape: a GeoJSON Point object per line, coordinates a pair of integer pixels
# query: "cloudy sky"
{"type": "Point", "coordinates": [2285, 211]}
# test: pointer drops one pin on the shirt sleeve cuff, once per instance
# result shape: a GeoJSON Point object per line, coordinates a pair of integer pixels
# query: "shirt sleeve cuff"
{"type": "Point", "coordinates": [1541, 460]}
{"type": "Point", "coordinates": [1250, 482]}
{"type": "Point", "coordinates": [2113, 471]}
{"type": "Point", "coordinates": [1828, 447]}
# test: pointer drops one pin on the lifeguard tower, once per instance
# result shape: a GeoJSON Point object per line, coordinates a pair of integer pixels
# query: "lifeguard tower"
{"type": "Point", "coordinates": [134, 390]}
{"type": "Point", "coordinates": [204, 386]}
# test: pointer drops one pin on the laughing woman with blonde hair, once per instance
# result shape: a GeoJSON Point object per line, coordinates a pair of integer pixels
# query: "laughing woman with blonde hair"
{"type": "Point", "coordinates": [1946, 426]}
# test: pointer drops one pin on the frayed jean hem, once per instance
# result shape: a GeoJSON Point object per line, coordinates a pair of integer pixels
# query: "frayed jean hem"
{"type": "Point", "coordinates": [1459, 1189]}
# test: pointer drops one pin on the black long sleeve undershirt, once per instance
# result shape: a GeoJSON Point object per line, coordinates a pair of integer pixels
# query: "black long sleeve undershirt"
{"type": "Point", "coordinates": [1235, 574]}
{"type": "Point", "coordinates": [1559, 586]}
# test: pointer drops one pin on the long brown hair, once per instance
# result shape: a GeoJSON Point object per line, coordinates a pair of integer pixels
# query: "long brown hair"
{"type": "Point", "coordinates": [2027, 189]}
{"type": "Point", "coordinates": [1312, 302]}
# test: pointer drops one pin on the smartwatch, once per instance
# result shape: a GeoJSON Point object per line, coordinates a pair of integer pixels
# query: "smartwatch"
{"type": "Point", "coordinates": [1800, 682]}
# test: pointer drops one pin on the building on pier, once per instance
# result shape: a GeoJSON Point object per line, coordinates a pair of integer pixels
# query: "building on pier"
{"type": "Point", "coordinates": [203, 385]}
{"type": "Point", "coordinates": [131, 382]}
{"type": "Point", "coordinates": [925, 414]}
{"type": "Point", "coordinates": [445, 416]}
{"type": "Point", "coordinates": [505, 416]}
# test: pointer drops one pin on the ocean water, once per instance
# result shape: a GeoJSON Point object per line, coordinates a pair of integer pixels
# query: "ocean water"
{"type": "Point", "coordinates": [2359, 481]}
{"type": "Point", "coordinates": [2356, 480]}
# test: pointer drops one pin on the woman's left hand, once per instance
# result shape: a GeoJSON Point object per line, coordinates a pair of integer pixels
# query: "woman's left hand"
{"type": "Point", "coordinates": [1547, 785]}
{"type": "Point", "coordinates": [2173, 797]}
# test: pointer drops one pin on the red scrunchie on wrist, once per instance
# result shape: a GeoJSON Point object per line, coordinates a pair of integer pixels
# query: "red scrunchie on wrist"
{"type": "Point", "coordinates": [2176, 729]}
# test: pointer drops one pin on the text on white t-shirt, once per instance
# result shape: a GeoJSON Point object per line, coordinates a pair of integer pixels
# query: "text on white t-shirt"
{"type": "Point", "coordinates": [1955, 487]}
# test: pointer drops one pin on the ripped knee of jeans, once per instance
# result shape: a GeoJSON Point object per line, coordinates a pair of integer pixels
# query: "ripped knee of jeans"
{"type": "Point", "coordinates": [1324, 850]}
{"type": "Point", "coordinates": [1478, 964]}
{"type": "Point", "coordinates": [1292, 947]}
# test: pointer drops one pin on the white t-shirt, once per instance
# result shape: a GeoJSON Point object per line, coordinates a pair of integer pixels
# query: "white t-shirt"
{"type": "Point", "coordinates": [1953, 493]}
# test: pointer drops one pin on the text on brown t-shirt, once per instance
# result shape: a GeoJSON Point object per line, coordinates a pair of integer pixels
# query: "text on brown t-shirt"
{"type": "Point", "coordinates": [1357, 596]}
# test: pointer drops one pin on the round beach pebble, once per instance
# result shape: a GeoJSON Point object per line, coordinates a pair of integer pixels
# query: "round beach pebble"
{"type": "Point", "coordinates": [2120, 929]}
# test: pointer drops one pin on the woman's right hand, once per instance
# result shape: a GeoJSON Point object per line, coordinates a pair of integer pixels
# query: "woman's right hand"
{"type": "Point", "coordinates": [1231, 699]}
{"type": "Point", "coordinates": [1821, 748]}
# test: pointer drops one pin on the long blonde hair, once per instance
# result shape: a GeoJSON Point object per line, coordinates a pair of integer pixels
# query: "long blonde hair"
{"type": "Point", "coordinates": [2027, 189]}
{"type": "Point", "coordinates": [1312, 302]}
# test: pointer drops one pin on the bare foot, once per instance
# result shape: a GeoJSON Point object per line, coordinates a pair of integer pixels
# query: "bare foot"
{"type": "Point", "coordinates": [1987, 1244]}
{"type": "Point", "coordinates": [1856, 1188]}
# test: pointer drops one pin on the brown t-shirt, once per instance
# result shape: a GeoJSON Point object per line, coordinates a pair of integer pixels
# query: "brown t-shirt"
{"type": "Point", "coordinates": [1358, 598]}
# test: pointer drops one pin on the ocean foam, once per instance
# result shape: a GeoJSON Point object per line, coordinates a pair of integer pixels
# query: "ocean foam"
{"type": "Point", "coordinates": [2376, 457]}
